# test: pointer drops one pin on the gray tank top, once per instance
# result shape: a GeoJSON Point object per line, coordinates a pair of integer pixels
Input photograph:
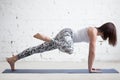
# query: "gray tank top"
{"type": "Point", "coordinates": [80, 35]}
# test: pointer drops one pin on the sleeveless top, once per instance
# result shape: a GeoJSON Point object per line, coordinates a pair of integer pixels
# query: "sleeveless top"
{"type": "Point", "coordinates": [80, 35]}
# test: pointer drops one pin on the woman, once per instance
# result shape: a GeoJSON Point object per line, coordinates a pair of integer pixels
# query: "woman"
{"type": "Point", "coordinates": [65, 39]}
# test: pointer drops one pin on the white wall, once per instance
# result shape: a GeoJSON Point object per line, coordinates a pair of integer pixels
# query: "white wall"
{"type": "Point", "coordinates": [20, 19]}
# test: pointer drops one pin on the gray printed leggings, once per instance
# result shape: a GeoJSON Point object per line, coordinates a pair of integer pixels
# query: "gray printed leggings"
{"type": "Point", "coordinates": [63, 41]}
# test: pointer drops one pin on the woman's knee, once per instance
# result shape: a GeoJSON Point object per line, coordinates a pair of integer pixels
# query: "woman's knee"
{"type": "Point", "coordinates": [69, 50]}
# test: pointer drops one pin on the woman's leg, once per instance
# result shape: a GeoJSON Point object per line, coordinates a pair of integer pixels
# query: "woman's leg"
{"type": "Point", "coordinates": [46, 46]}
{"type": "Point", "coordinates": [64, 40]}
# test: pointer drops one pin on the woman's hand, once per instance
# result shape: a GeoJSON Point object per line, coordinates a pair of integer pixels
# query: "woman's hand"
{"type": "Point", "coordinates": [95, 70]}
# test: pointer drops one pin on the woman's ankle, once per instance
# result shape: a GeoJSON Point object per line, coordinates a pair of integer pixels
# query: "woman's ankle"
{"type": "Point", "coordinates": [12, 59]}
{"type": "Point", "coordinates": [15, 58]}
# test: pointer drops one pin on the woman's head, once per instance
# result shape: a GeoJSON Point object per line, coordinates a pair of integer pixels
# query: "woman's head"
{"type": "Point", "coordinates": [109, 32]}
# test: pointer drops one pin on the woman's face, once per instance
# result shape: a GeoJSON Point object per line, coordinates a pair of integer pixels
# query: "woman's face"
{"type": "Point", "coordinates": [103, 37]}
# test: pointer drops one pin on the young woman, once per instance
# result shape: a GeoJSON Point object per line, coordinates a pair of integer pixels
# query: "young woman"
{"type": "Point", "coordinates": [65, 39]}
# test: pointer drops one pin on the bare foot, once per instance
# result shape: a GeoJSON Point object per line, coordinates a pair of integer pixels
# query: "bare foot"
{"type": "Point", "coordinates": [11, 63]}
{"type": "Point", "coordinates": [38, 36]}
{"type": "Point", "coordinates": [42, 37]}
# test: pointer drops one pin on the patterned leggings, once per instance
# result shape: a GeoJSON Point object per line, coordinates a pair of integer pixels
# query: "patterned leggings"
{"type": "Point", "coordinates": [63, 41]}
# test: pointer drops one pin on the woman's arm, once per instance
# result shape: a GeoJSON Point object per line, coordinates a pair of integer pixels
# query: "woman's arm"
{"type": "Point", "coordinates": [91, 56]}
{"type": "Point", "coordinates": [92, 32]}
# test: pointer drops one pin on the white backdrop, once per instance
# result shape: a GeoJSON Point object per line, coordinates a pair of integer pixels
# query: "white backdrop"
{"type": "Point", "coordinates": [21, 19]}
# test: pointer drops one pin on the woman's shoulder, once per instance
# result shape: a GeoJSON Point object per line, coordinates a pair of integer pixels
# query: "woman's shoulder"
{"type": "Point", "coordinates": [92, 31]}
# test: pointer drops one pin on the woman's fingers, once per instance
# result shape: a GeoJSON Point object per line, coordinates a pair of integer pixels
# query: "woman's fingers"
{"type": "Point", "coordinates": [95, 69]}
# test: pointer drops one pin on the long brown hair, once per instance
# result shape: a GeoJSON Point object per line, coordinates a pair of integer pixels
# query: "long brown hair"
{"type": "Point", "coordinates": [109, 32]}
